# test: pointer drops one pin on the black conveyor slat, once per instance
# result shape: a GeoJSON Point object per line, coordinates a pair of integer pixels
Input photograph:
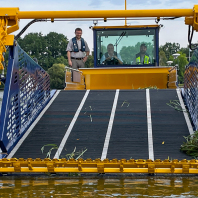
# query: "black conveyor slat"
{"type": "Point", "coordinates": [169, 126]}
{"type": "Point", "coordinates": [129, 136]}
{"type": "Point", "coordinates": [87, 134]}
{"type": "Point", "coordinates": [52, 126]}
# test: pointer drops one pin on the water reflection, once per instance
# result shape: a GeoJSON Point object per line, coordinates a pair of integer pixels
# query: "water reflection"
{"type": "Point", "coordinates": [99, 187]}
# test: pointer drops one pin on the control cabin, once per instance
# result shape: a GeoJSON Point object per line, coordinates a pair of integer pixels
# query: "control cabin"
{"type": "Point", "coordinates": [117, 64]}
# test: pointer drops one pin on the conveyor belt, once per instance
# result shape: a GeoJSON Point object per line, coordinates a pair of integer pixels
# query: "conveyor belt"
{"type": "Point", "coordinates": [124, 132]}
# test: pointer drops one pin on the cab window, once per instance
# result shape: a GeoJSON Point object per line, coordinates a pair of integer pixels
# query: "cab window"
{"type": "Point", "coordinates": [126, 47]}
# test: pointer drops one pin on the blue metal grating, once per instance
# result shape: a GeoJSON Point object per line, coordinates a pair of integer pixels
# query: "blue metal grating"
{"type": "Point", "coordinates": [27, 91]}
{"type": "Point", "coordinates": [191, 88]}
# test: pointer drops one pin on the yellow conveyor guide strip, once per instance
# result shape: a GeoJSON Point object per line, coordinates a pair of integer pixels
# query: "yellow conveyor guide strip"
{"type": "Point", "coordinates": [38, 165]}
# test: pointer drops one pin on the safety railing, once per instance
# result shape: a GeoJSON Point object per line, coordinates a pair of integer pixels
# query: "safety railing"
{"type": "Point", "coordinates": [26, 92]}
{"type": "Point", "coordinates": [98, 166]}
{"type": "Point", "coordinates": [74, 79]}
{"type": "Point", "coordinates": [191, 88]}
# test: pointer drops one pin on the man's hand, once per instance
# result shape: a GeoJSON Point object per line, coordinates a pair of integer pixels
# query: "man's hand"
{"type": "Point", "coordinates": [85, 59]}
{"type": "Point", "coordinates": [109, 58]}
{"type": "Point", "coordinates": [70, 63]}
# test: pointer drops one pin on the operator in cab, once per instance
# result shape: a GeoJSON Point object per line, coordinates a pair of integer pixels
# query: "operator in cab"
{"type": "Point", "coordinates": [111, 57]}
{"type": "Point", "coordinates": [142, 58]}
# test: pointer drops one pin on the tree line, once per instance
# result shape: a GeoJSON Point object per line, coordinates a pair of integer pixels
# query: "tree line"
{"type": "Point", "coordinates": [50, 51]}
{"type": "Point", "coordinates": [166, 54]}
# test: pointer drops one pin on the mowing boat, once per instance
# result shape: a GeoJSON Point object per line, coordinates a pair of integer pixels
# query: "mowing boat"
{"type": "Point", "coordinates": [118, 114]}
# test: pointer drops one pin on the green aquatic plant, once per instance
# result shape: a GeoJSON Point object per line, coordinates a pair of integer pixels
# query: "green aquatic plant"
{"type": "Point", "coordinates": [176, 105]}
{"type": "Point", "coordinates": [76, 155]}
{"type": "Point", "coordinates": [125, 102]}
{"type": "Point", "coordinates": [190, 147]}
{"type": "Point", "coordinates": [150, 87]}
{"type": "Point", "coordinates": [53, 146]}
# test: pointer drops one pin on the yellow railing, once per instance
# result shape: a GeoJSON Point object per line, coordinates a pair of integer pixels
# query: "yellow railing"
{"type": "Point", "coordinates": [97, 166]}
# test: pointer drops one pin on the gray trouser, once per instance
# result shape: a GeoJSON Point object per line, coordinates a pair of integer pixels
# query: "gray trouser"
{"type": "Point", "coordinates": [77, 64]}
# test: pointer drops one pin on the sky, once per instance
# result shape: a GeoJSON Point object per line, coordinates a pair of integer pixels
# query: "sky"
{"type": "Point", "coordinates": [172, 31]}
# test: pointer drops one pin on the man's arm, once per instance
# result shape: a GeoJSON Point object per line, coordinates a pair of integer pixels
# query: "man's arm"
{"type": "Point", "coordinates": [86, 57]}
{"type": "Point", "coordinates": [102, 59]}
{"type": "Point", "coordinates": [87, 52]}
{"type": "Point", "coordinates": [69, 49]}
{"type": "Point", "coordinates": [119, 59]}
{"type": "Point", "coordinates": [69, 58]}
{"type": "Point", "coordinates": [134, 61]}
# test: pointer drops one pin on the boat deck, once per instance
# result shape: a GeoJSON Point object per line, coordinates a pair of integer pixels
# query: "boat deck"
{"type": "Point", "coordinates": [111, 124]}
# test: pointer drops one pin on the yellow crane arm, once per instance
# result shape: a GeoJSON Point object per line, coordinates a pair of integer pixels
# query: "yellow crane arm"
{"type": "Point", "coordinates": [105, 13]}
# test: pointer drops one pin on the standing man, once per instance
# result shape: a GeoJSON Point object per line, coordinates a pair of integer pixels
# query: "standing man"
{"type": "Point", "coordinates": [77, 50]}
{"type": "Point", "coordinates": [142, 58]}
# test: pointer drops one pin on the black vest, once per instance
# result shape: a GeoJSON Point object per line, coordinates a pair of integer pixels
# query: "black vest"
{"type": "Point", "coordinates": [113, 61]}
{"type": "Point", "coordinates": [75, 45]}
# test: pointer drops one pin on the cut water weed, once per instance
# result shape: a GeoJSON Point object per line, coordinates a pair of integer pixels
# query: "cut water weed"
{"type": "Point", "coordinates": [53, 146]}
{"type": "Point", "coordinates": [190, 147]}
{"type": "Point", "coordinates": [150, 87]}
{"type": "Point", "coordinates": [176, 105]}
{"type": "Point", "coordinates": [75, 154]}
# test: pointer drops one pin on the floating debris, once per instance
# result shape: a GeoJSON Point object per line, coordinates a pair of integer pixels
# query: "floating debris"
{"type": "Point", "coordinates": [176, 105]}
{"type": "Point", "coordinates": [125, 102]}
{"type": "Point", "coordinates": [54, 146]}
{"type": "Point", "coordinates": [90, 117]}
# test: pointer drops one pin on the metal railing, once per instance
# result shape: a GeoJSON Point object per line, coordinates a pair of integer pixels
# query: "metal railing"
{"type": "Point", "coordinates": [191, 88]}
{"type": "Point", "coordinates": [26, 92]}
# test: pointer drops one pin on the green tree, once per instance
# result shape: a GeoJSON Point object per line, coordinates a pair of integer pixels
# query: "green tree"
{"type": "Point", "coordinates": [61, 60]}
{"type": "Point", "coordinates": [45, 48]}
{"type": "Point", "coordinates": [170, 48]}
{"type": "Point", "coordinates": [35, 45]}
{"type": "Point", "coordinates": [194, 58]}
{"type": "Point", "coordinates": [90, 61]}
{"type": "Point", "coordinates": [162, 58]}
{"type": "Point", "coordinates": [128, 53]}
{"type": "Point", "coordinates": [57, 76]}
{"type": "Point", "coordinates": [182, 62]}
{"type": "Point", "coordinates": [56, 44]}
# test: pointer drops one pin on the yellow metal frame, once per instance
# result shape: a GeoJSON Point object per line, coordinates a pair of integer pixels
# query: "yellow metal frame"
{"type": "Point", "coordinates": [126, 26]}
{"type": "Point", "coordinates": [9, 18]}
{"type": "Point", "coordinates": [77, 83]}
{"type": "Point", "coordinates": [129, 78]}
{"type": "Point", "coordinates": [97, 166]}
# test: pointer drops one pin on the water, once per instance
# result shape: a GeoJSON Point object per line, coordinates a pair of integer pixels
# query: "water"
{"type": "Point", "coordinates": [62, 186]}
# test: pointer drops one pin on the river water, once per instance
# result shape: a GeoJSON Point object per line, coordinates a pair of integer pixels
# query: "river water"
{"type": "Point", "coordinates": [62, 186]}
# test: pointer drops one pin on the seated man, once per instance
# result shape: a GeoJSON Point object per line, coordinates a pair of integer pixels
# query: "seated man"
{"type": "Point", "coordinates": [111, 57]}
{"type": "Point", "coordinates": [142, 58]}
